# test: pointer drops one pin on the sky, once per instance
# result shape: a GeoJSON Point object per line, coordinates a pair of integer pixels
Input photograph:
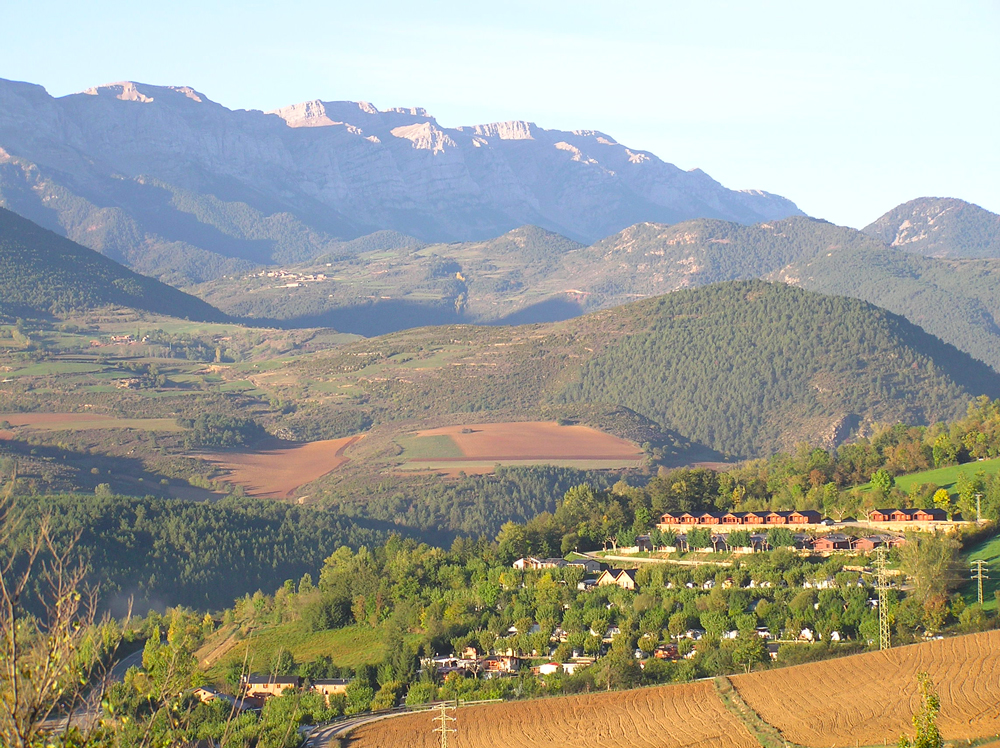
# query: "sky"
{"type": "Point", "coordinates": [847, 108]}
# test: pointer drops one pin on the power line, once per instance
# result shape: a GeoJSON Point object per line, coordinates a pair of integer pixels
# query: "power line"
{"type": "Point", "coordinates": [882, 585]}
{"type": "Point", "coordinates": [979, 576]}
{"type": "Point", "coordinates": [444, 718]}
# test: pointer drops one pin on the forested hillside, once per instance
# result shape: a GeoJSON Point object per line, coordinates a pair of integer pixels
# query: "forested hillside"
{"type": "Point", "coordinates": [940, 227]}
{"type": "Point", "coordinates": [163, 551]}
{"type": "Point", "coordinates": [42, 273]}
{"type": "Point", "coordinates": [742, 367]}
{"type": "Point", "coordinates": [745, 368]}
{"type": "Point", "coordinates": [955, 300]}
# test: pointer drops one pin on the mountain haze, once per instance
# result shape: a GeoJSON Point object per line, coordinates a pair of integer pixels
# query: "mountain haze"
{"type": "Point", "coordinates": [182, 188]}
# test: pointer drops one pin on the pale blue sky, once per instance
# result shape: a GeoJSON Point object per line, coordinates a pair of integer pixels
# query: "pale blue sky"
{"type": "Point", "coordinates": [847, 108]}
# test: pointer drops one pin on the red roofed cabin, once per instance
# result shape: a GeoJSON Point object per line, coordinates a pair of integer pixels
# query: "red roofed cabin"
{"type": "Point", "coordinates": [832, 542]}
{"type": "Point", "coordinates": [805, 517]}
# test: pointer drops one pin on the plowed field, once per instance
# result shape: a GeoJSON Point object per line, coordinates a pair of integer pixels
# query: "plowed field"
{"type": "Point", "coordinates": [275, 473]}
{"type": "Point", "coordinates": [682, 716]}
{"type": "Point", "coordinates": [478, 447]}
{"type": "Point", "coordinates": [870, 698]}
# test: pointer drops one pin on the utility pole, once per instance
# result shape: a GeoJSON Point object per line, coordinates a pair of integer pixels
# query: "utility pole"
{"type": "Point", "coordinates": [444, 718]}
{"type": "Point", "coordinates": [882, 585]}
{"type": "Point", "coordinates": [979, 575]}
{"type": "Point", "coordinates": [979, 511]}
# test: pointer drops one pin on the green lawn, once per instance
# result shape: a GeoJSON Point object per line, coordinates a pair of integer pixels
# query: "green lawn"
{"type": "Point", "coordinates": [353, 645]}
{"type": "Point", "coordinates": [428, 447]}
{"type": "Point", "coordinates": [946, 477]}
{"type": "Point", "coordinates": [988, 551]}
{"type": "Point", "coordinates": [49, 368]}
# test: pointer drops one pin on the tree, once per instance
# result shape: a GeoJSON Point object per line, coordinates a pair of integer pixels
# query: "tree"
{"type": "Point", "coordinates": [925, 721]}
{"type": "Point", "coordinates": [699, 538]}
{"type": "Point", "coordinates": [750, 649]}
{"type": "Point", "coordinates": [932, 562]}
{"type": "Point", "coordinates": [780, 537]}
{"type": "Point", "coordinates": [942, 500]}
{"type": "Point", "coordinates": [882, 481]}
{"type": "Point", "coordinates": [51, 646]}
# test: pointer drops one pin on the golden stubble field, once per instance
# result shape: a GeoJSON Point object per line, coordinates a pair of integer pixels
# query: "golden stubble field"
{"type": "Point", "coordinates": [862, 700]}
{"type": "Point", "coordinates": [684, 716]}
{"type": "Point", "coordinates": [872, 697]}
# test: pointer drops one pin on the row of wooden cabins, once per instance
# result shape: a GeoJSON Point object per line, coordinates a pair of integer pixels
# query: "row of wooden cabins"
{"type": "Point", "coordinates": [805, 517]}
{"type": "Point", "coordinates": [758, 542]}
{"type": "Point", "coordinates": [670, 520]}
{"type": "Point", "coordinates": [908, 515]}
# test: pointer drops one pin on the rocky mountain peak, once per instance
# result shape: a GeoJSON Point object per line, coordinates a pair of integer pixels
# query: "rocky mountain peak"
{"type": "Point", "coordinates": [940, 227]}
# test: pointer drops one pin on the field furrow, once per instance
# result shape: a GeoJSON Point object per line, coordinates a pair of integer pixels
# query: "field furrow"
{"type": "Point", "coordinates": [683, 716]}
{"type": "Point", "coordinates": [871, 698]}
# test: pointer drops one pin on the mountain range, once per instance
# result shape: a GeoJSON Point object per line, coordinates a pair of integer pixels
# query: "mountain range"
{"type": "Point", "coordinates": [181, 188]}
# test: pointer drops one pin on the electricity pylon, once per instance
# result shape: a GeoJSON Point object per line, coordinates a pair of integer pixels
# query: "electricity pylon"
{"type": "Point", "coordinates": [979, 575]}
{"type": "Point", "coordinates": [444, 718]}
{"type": "Point", "coordinates": [882, 585]}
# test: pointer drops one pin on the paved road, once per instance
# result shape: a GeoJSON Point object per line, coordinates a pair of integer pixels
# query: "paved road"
{"type": "Point", "coordinates": [85, 716]}
{"type": "Point", "coordinates": [323, 735]}
{"type": "Point", "coordinates": [639, 560]}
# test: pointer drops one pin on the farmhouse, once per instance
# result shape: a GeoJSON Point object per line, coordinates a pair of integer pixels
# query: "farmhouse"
{"type": "Point", "coordinates": [330, 687]}
{"type": "Point", "coordinates": [624, 578]}
{"type": "Point", "coordinates": [496, 666]}
{"type": "Point", "coordinates": [265, 686]}
{"type": "Point", "coordinates": [589, 565]}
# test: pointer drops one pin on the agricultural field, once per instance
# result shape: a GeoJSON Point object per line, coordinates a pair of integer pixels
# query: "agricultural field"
{"type": "Point", "coordinates": [275, 471]}
{"type": "Point", "coordinates": [861, 700]}
{"type": "Point", "coordinates": [682, 716]}
{"type": "Point", "coordinates": [85, 421]}
{"type": "Point", "coordinates": [479, 447]}
{"type": "Point", "coordinates": [349, 646]}
{"type": "Point", "coordinates": [988, 551]}
{"type": "Point", "coordinates": [870, 698]}
{"type": "Point", "coordinates": [947, 477]}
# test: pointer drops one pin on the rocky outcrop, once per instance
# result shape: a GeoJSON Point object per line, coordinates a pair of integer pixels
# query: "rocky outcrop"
{"type": "Point", "coordinates": [940, 227]}
{"type": "Point", "coordinates": [183, 176]}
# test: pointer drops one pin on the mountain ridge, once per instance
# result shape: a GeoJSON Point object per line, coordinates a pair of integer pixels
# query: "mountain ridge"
{"type": "Point", "coordinates": [176, 183]}
{"type": "Point", "coordinates": [43, 273]}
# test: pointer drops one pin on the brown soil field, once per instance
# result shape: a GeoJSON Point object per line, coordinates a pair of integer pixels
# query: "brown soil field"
{"type": "Point", "coordinates": [683, 716]}
{"type": "Point", "coordinates": [276, 472]}
{"type": "Point", "coordinates": [870, 698]}
{"type": "Point", "coordinates": [534, 440]}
